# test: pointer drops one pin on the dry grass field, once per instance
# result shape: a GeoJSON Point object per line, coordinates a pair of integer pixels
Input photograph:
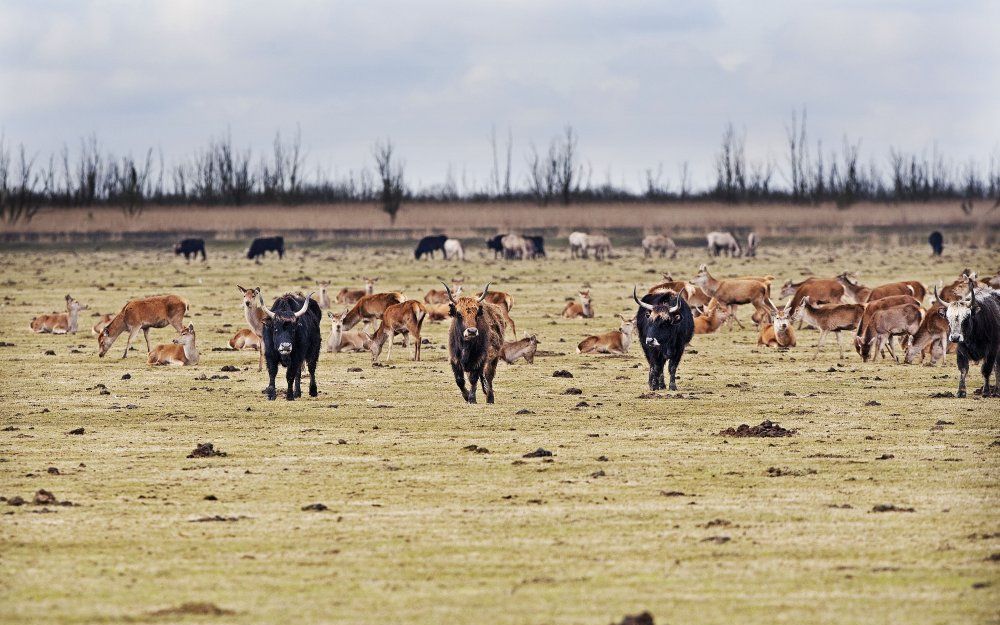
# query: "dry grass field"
{"type": "Point", "coordinates": [642, 506]}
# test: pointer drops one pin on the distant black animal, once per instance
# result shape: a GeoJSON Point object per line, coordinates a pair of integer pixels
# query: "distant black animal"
{"type": "Point", "coordinates": [429, 245]}
{"type": "Point", "coordinates": [475, 340]}
{"type": "Point", "coordinates": [974, 327]}
{"type": "Point", "coordinates": [292, 338]}
{"type": "Point", "coordinates": [190, 247]}
{"type": "Point", "coordinates": [538, 250]}
{"type": "Point", "coordinates": [937, 243]}
{"type": "Point", "coordinates": [665, 328]}
{"type": "Point", "coordinates": [496, 244]}
{"type": "Point", "coordinates": [262, 245]}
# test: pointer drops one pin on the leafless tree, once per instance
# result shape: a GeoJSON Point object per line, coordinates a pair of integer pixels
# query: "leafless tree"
{"type": "Point", "coordinates": [390, 173]}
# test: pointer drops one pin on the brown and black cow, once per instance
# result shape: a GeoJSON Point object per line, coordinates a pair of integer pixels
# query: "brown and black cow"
{"type": "Point", "coordinates": [474, 342]}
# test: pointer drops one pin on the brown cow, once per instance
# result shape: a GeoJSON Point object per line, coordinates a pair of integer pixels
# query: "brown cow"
{"type": "Point", "coordinates": [142, 314]}
{"type": "Point", "coordinates": [474, 343]}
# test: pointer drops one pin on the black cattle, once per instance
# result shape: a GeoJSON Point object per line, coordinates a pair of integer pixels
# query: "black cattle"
{"type": "Point", "coordinates": [496, 244]}
{"type": "Point", "coordinates": [429, 245]}
{"type": "Point", "coordinates": [937, 243]}
{"type": "Point", "coordinates": [974, 327]}
{"type": "Point", "coordinates": [263, 245]}
{"type": "Point", "coordinates": [665, 328]}
{"type": "Point", "coordinates": [539, 246]}
{"type": "Point", "coordinates": [190, 247]}
{"type": "Point", "coordinates": [474, 343]}
{"type": "Point", "coordinates": [291, 338]}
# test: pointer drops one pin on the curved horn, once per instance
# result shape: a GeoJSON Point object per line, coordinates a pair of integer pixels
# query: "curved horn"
{"type": "Point", "coordinates": [450, 296]}
{"type": "Point", "coordinates": [676, 306]}
{"type": "Point", "coordinates": [483, 296]}
{"type": "Point", "coordinates": [937, 298]}
{"type": "Point", "coordinates": [305, 306]}
{"type": "Point", "coordinates": [641, 303]}
{"type": "Point", "coordinates": [972, 292]}
{"type": "Point", "coordinates": [270, 313]}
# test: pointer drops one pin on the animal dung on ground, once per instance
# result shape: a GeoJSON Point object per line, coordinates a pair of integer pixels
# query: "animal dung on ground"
{"type": "Point", "coordinates": [476, 449]}
{"type": "Point", "coordinates": [572, 391]}
{"type": "Point", "coordinates": [538, 453]}
{"type": "Point", "coordinates": [206, 450]}
{"type": "Point", "coordinates": [883, 507]}
{"type": "Point", "coordinates": [643, 618]}
{"type": "Point", "coordinates": [562, 373]}
{"type": "Point", "coordinates": [766, 429]}
{"type": "Point", "coordinates": [315, 507]}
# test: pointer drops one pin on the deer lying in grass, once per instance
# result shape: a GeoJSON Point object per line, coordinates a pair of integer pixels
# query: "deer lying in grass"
{"type": "Point", "coordinates": [711, 319]}
{"type": "Point", "coordinates": [778, 333]}
{"type": "Point", "coordinates": [583, 309]}
{"type": "Point", "coordinates": [102, 322]}
{"type": "Point", "coordinates": [440, 296]}
{"type": "Point", "coordinates": [59, 323]}
{"type": "Point", "coordinates": [342, 340]}
{"type": "Point", "coordinates": [182, 351]}
{"type": "Point", "coordinates": [615, 342]}
{"type": "Point", "coordinates": [931, 339]}
{"type": "Point", "coordinates": [350, 297]}
{"type": "Point", "coordinates": [406, 319]}
{"type": "Point", "coordinates": [732, 293]}
{"type": "Point", "coordinates": [525, 348]}
{"type": "Point", "coordinates": [895, 321]}
{"type": "Point", "coordinates": [141, 315]}
{"type": "Point", "coordinates": [828, 318]}
{"type": "Point", "coordinates": [245, 338]}
{"type": "Point", "coordinates": [437, 312]}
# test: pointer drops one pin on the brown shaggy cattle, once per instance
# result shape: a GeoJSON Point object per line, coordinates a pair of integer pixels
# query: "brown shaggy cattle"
{"type": "Point", "coordinates": [474, 343]}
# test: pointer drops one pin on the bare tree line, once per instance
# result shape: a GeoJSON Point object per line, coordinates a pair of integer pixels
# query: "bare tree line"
{"type": "Point", "coordinates": [221, 173]}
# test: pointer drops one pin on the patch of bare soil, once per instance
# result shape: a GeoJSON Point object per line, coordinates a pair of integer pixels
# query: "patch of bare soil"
{"type": "Point", "coordinates": [766, 429]}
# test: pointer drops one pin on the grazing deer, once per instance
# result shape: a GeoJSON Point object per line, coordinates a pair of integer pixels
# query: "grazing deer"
{"type": "Point", "coordinates": [711, 319]}
{"type": "Point", "coordinates": [780, 332]}
{"type": "Point", "coordinates": [60, 323]}
{"type": "Point", "coordinates": [142, 314]}
{"type": "Point", "coordinates": [862, 339]}
{"type": "Point", "coordinates": [253, 312]}
{"type": "Point", "coordinates": [525, 348]}
{"type": "Point", "coordinates": [182, 351]}
{"type": "Point", "coordinates": [342, 340]}
{"type": "Point", "coordinates": [895, 321]}
{"type": "Point", "coordinates": [102, 322]}
{"type": "Point", "coordinates": [828, 318]}
{"type": "Point", "coordinates": [371, 307]}
{"type": "Point", "coordinates": [406, 319]}
{"type": "Point", "coordinates": [350, 297]}
{"type": "Point", "coordinates": [615, 342]}
{"type": "Point", "coordinates": [732, 293]}
{"type": "Point", "coordinates": [931, 338]}
{"type": "Point", "coordinates": [504, 301]}
{"type": "Point", "coordinates": [582, 310]}
{"type": "Point", "coordinates": [440, 296]}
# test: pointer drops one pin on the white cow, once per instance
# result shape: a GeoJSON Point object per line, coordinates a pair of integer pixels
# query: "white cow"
{"type": "Point", "coordinates": [453, 249]}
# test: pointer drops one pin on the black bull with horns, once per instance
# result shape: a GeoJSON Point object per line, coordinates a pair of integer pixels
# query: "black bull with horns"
{"type": "Point", "coordinates": [474, 342]}
{"type": "Point", "coordinates": [665, 328]}
{"type": "Point", "coordinates": [292, 338]}
{"type": "Point", "coordinates": [974, 327]}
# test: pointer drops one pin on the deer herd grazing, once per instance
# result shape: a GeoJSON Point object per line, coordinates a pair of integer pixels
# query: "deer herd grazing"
{"type": "Point", "coordinates": [962, 317]}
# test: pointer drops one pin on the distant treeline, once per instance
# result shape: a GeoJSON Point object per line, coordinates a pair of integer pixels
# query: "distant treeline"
{"type": "Point", "coordinates": [221, 174]}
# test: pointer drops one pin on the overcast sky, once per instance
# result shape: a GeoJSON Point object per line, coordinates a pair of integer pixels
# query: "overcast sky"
{"type": "Point", "coordinates": [642, 82]}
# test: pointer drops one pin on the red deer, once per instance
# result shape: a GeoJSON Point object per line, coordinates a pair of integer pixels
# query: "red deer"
{"type": "Point", "coordinates": [862, 339]}
{"type": "Point", "coordinates": [615, 342]}
{"type": "Point", "coordinates": [863, 294]}
{"type": "Point", "coordinates": [350, 297]}
{"type": "Point", "coordinates": [828, 318]}
{"type": "Point", "coordinates": [583, 310]}
{"type": "Point", "coordinates": [957, 289]}
{"type": "Point", "coordinates": [60, 323]}
{"type": "Point", "coordinates": [525, 348]}
{"type": "Point", "coordinates": [895, 321]}
{"type": "Point", "coordinates": [345, 340]}
{"type": "Point", "coordinates": [181, 352]}
{"type": "Point", "coordinates": [371, 307]}
{"type": "Point", "coordinates": [255, 316]}
{"type": "Point", "coordinates": [245, 338]}
{"type": "Point", "coordinates": [102, 323]}
{"type": "Point", "coordinates": [732, 293]}
{"type": "Point", "coordinates": [504, 301]}
{"type": "Point", "coordinates": [474, 343]}
{"type": "Point", "coordinates": [931, 338]}
{"type": "Point", "coordinates": [323, 295]}
{"type": "Point", "coordinates": [437, 296]}
{"type": "Point", "coordinates": [693, 295]}
{"type": "Point", "coordinates": [818, 290]}
{"type": "Point", "coordinates": [142, 314]}
{"type": "Point", "coordinates": [712, 319]}
{"type": "Point", "coordinates": [780, 332]}
{"type": "Point", "coordinates": [405, 319]}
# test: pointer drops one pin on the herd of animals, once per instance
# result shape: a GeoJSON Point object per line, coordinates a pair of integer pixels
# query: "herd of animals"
{"type": "Point", "coordinates": [962, 316]}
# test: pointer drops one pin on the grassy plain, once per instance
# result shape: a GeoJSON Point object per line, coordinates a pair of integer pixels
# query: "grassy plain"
{"type": "Point", "coordinates": [419, 530]}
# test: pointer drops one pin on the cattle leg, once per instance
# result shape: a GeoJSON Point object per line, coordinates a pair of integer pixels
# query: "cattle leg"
{"type": "Point", "coordinates": [272, 372]}
{"type": "Point", "coordinates": [460, 379]}
{"type": "Point", "coordinates": [290, 375]}
{"type": "Point", "coordinates": [473, 383]}
{"type": "Point", "coordinates": [988, 362]}
{"type": "Point", "coordinates": [963, 370]}
{"type": "Point", "coordinates": [674, 361]}
{"type": "Point", "coordinates": [489, 371]}
{"type": "Point", "coordinates": [313, 391]}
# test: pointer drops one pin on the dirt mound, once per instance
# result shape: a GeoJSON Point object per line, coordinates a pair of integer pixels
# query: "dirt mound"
{"type": "Point", "coordinates": [643, 618]}
{"type": "Point", "coordinates": [562, 373]}
{"type": "Point", "coordinates": [193, 609]}
{"type": "Point", "coordinates": [766, 429]}
{"type": "Point", "coordinates": [205, 450]}
{"type": "Point", "coordinates": [538, 453]}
